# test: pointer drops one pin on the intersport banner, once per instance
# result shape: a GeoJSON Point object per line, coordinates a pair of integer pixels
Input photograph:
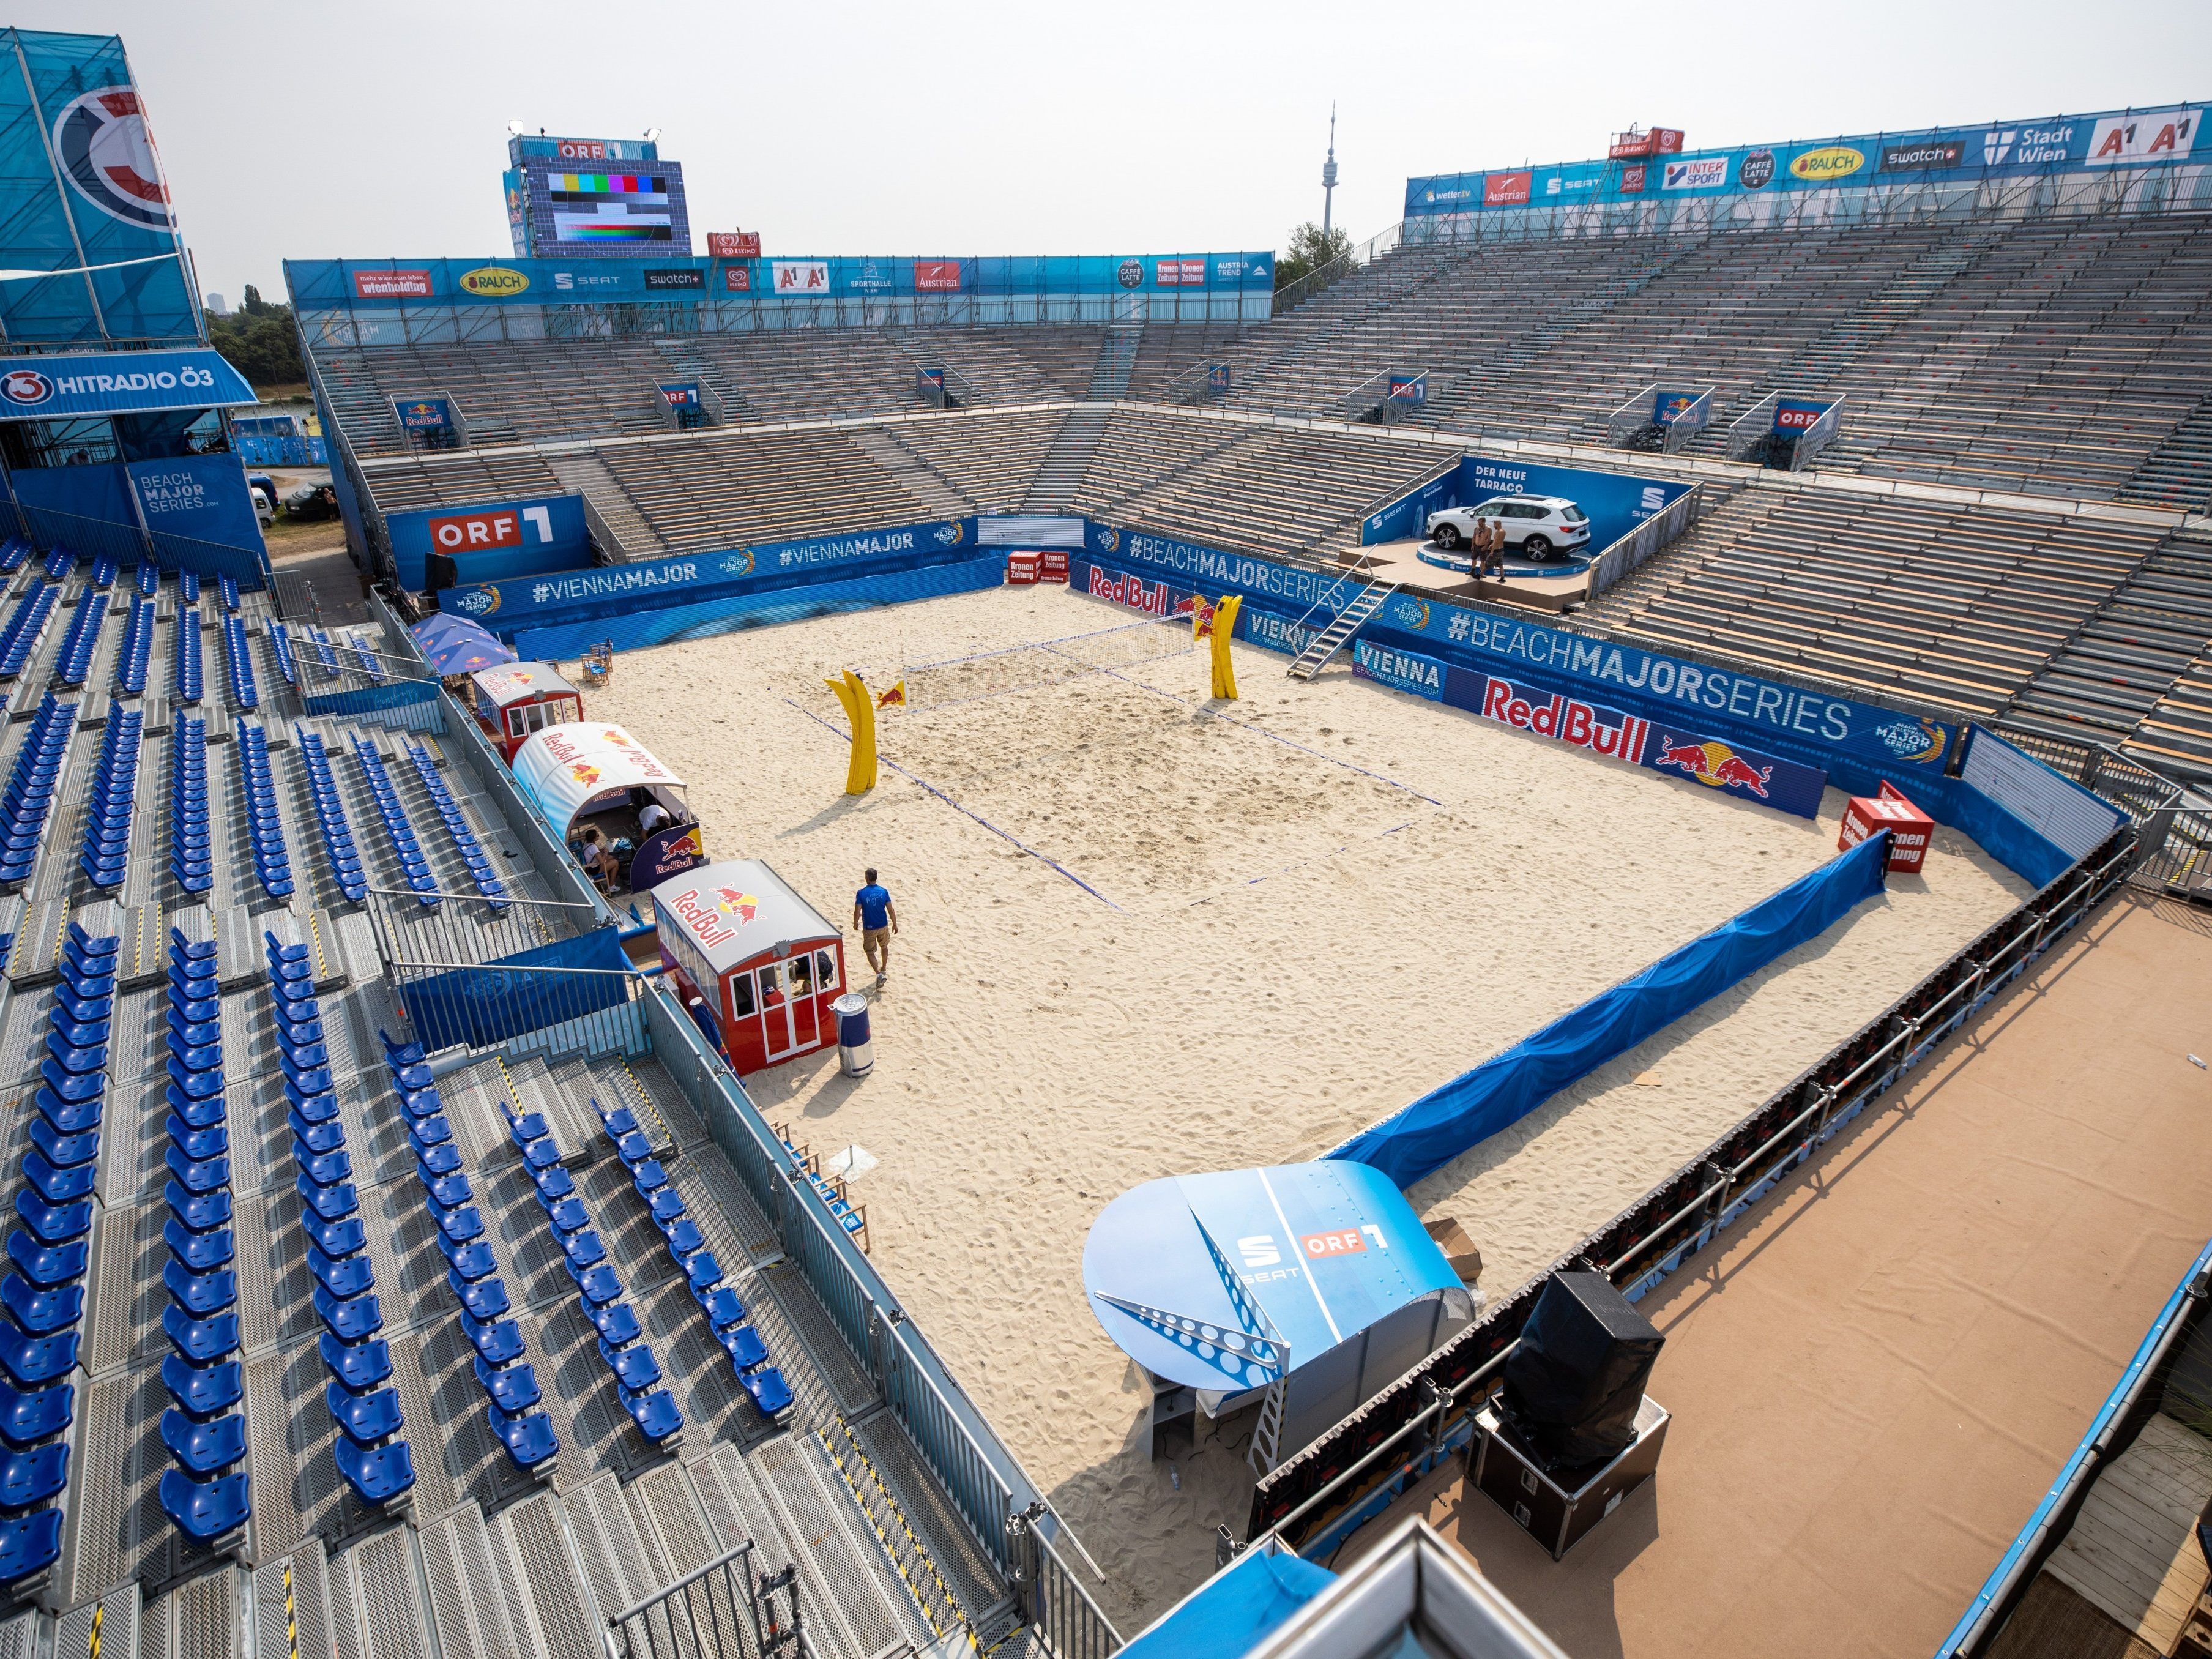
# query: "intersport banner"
{"type": "Point", "coordinates": [80, 184]}
{"type": "Point", "coordinates": [2103, 143]}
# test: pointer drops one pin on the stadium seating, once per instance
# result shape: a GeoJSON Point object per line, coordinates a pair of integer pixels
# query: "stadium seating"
{"type": "Point", "coordinates": [108, 804]}
{"type": "Point", "coordinates": [74, 661]}
{"type": "Point", "coordinates": [264, 824]}
{"type": "Point", "coordinates": [414, 867]}
{"type": "Point", "coordinates": [192, 853]}
{"type": "Point", "coordinates": [138, 648]}
{"type": "Point", "coordinates": [26, 626]}
{"type": "Point", "coordinates": [188, 682]}
{"type": "Point", "coordinates": [338, 848]}
{"type": "Point", "coordinates": [28, 797]}
{"type": "Point", "coordinates": [238, 663]}
{"type": "Point", "coordinates": [457, 828]}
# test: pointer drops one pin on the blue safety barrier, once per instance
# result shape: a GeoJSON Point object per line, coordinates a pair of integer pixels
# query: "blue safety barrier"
{"type": "Point", "coordinates": [1422, 1138]}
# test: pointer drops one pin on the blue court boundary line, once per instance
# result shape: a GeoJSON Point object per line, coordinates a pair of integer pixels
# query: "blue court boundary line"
{"type": "Point", "coordinates": [1318, 857]}
{"type": "Point", "coordinates": [1248, 725]}
{"type": "Point", "coordinates": [1041, 858]}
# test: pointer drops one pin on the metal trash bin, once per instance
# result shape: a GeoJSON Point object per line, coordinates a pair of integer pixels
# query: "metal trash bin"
{"type": "Point", "coordinates": [856, 1056]}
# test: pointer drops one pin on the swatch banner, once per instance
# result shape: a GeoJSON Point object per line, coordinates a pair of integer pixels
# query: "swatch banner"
{"type": "Point", "coordinates": [2090, 145]}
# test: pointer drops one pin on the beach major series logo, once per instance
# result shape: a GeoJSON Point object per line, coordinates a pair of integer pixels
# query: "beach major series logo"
{"type": "Point", "coordinates": [951, 535]}
{"type": "Point", "coordinates": [1713, 765]}
{"type": "Point", "coordinates": [739, 563]}
{"type": "Point", "coordinates": [1409, 613]}
{"type": "Point", "coordinates": [1110, 540]}
{"type": "Point", "coordinates": [477, 602]}
{"type": "Point", "coordinates": [1913, 740]}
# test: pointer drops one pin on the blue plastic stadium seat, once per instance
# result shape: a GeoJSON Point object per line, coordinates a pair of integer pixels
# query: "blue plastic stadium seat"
{"type": "Point", "coordinates": [667, 1206]}
{"type": "Point", "coordinates": [335, 1238]}
{"type": "Point", "coordinates": [446, 1191]}
{"type": "Point", "coordinates": [351, 1319]}
{"type": "Point", "coordinates": [583, 1249]}
{"type": "Point", "coordinates": [471, 1261]}
{"type": "Point", "coordinates": [73, 1088]}
{"type": "Point", "coordinates": [620, 1121]}
{"type": "Point", "coordinates": [553, 1182]}
{"type": "Point", "coordinates": [616, 1322]}
{"type": "Point", "coordinates": [429, 1131]}
{"type": "Point", "coordinates": [441, 1159]}
{"type": "Point", "coordinates": [655, 1414]}
{"type": "Point", "coordinates": [542, 1153]}
{"type": "Point", "coordinates": [347, 1277]}
{"type": "Point", "coordinates": [43, 1264]}
{"type": "Point", "coordinates": [500, 1341]}
{"type": "Point", "coordinates": [366, 1418]}
{"type": "Point", "coordinates": [327, 1136]}
{"type": "Point", "coordinates": [483, 1299]}
{"type": "Point", "coordinates": [461, 1224]}
{"type": "Point", "coordinates": [199, 1211]}
{"type": "Point", "coordinates": [703, 1271]}
{"type": "Point", "coordinates": [684, 1238]}
{"type": "Point", "coordinates": [648, 1177]}
{"type": "Point", "coordinates": [331, 1203]}
{"type": "Point", "coordinates": [63, 1151]}
{"type": "Point", "coordinates": [633, 1149]}
{"type": "Point", "coordinates": [42, 1313]}
{"type": "Point", "coordinates": [53, 1223]}
{"type": "Point", "coordinates": [377, 1477]}
{"type": "Point", "coordinates": [529, 1441]}
{"type": "Point", "coordinates": [530, 1127]}
{"type": "Point", "coordinates": [26, 1418]}
{"type": "Point", "coordinates": [201, 1341]}
{"type": "Point", "coordinates": [358, 1366]}
{"type": "Point", "coordinates": [324, 1168]}
{"type": "Point", "coordinates": [512, 1388]}
{"type": "Point", "coordinates": [29, 1544]}
{"type": "Point", "coordinates": [742, 1344]}
{"type": "Point", "coordinates": [198, 1175]}
{"type": "Point", "coordinates": [567, 1215]}
{"type": "Point", "coordinates": [58, 1186]}
{"type": "Point", "coordinates": [205, 1511]}
{"type": "Point", "coordinates": [197, 1251]}
{"type": "Point", "coordinates": [597, 1284]}
{"type": "Point", "coordinates": [27, 1478]}
{"type": "Point", "coordinates": [202, 1391]}
{"type": "Point", "coordinates": [200, 1294]}
{"type": "Point", "coordinates": [723, 1308]}
{"type": "Point", "coordinates": [203, 1447]}
{"type": "Point", "coordinates": [769, 1392]}
{"type": "Point", "coordinates": [31, 1361]}
{"type": "Point", "coordinates": [634, 1367]}
{"type": "Point", "coordinates": [311, 1109]}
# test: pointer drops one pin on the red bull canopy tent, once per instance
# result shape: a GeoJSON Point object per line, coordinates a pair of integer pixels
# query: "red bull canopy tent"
{"type": "Point", "coordinates": [576, 771]}
{"type": "Point", "coordinates": [1319, 1276]}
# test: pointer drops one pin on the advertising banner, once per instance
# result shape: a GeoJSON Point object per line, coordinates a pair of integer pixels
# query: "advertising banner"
{"type": "Point", "coordinates": [550, 530]}
{"type": "Point", "coordinates": [671, 851]}
{"type": "Point", "coordinates": [733, 244]}
{"type": "Point", "coordinates": [80, 184]}
{"type": "Point", "coordinates": [1615, 502]}
{"type": "Point", "coordinates": [686, 579]}
{"type": "Point", "coordinates": [202, 496]}
{"type": "Point", "coordinates": [423, 414]}
{"type": "Point", "coordinates": [371, 284]}
{"type": "Point", "coordinates": [680, 394]}
{"type": "Point", "coordinates": [2056, 144]}
{"type": "Point", "coordinates": [1746, 773]}
{"type": "Point", "coordinates": [118, 383]}
{"type": "Point", "coordinates": [1409, 389]}
{"type": "Point", "coordinates": [1402, 671]}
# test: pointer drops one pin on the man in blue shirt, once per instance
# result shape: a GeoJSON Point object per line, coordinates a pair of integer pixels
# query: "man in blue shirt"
{"type": "Point", "coordinates": [876, 918]}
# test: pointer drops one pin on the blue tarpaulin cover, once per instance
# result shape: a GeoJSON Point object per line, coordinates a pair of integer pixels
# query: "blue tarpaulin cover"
{"type": "Point", "coordinates": [1325, 1250]}
{"type": "Point", "coordinates": [1231, 1615]}
{"type": "Point", "coordinates": [1441, 1124]}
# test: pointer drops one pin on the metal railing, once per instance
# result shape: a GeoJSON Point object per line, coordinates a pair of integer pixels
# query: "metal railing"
{"type": "Point", "coordinates": [1635, 416]}
{"type": "Point", "coordinates": [1430, 1410]}
{"type": "Point", "coordinates": [715, 1613]}
{"type": "Point", "coordinates": [1627, 552]}
{"type": "Point", "coordinates": [1292, 294]}
{"type": "Point", "coordinates": [47, 528]}
{"type": "Point", "coordinates": [1751, 429]}
{"type": "Point", "coordinates": [981, 1477]}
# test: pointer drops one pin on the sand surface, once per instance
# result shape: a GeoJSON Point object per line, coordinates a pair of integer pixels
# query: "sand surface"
{"type": "Point", "coordinates": [1262, 927]}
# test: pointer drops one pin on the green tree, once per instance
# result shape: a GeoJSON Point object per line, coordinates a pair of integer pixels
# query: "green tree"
{"type": "Point", "coordinates": [1312, 247]}
{"type": "Point", "coordinates": [259, 342]}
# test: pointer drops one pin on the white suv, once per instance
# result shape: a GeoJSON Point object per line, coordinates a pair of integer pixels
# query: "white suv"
{"type": "Point", "coordinates": [1538, 525]}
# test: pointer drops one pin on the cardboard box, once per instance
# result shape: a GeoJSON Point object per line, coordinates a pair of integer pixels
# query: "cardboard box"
{"type": "Point", "coordinates": [1459, 1249]}
{"type": "Point", "coordinates": [1051, 565]}
{"type": "Point", "coordinates": [1910, 827]}
{"type": "Point", "coordinates": [1021, 569]}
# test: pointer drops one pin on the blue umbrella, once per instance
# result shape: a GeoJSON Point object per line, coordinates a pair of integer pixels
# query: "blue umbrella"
{"type": "Point", "coordinates": [454, 645]}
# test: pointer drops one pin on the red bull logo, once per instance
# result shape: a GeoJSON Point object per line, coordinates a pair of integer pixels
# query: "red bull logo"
{"type": "Point", "coordinates": [1713, 765]}
{"type": "Point", "coordinates": [730, 903]}
{"type": "Point", "coordinates": [1606, 731]}
{"type": "Point", "coordinates": [713, 918]}
{"type": "Point", "coordinates": [1131, 591]}
{"type": "Point", "coordinates": [585, 774]}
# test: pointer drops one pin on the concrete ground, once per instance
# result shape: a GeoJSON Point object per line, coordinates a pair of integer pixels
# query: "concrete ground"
{"type": "Point", "coordinates": [1875, 1381]}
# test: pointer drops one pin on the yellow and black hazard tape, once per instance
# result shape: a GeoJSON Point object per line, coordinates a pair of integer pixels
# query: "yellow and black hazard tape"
{"type": "Point", "coordinates": [920, 1550]}
{"type": "Point", "coordinates": [291, 1615]}
{"type": "Point", "coordinates": [645, 1099]}
{"type": "Point", "coordinates": [99, 1616]}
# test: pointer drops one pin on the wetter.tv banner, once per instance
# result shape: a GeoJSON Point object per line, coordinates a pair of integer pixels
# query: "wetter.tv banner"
{"type": "Point", "coordinates": [1678, 752]}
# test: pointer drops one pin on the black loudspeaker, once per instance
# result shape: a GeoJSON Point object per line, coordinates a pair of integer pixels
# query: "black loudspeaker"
{"type": "Point", "coordinates": [1573, 1384]}
{"type": "Point", "coordinates": [440, 572]}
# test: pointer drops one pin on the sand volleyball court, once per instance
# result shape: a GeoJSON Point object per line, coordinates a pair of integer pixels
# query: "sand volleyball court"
{"type": "Point", "coordinates": [1143, 936]}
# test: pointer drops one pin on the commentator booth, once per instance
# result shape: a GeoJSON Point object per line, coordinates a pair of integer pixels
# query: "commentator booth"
{"type": "Point", "coordinates": [762, 963]}
{"type": "Point", "coordinates": [517, 698]}
{"type": "Point", "coordinates": [1304, 1289]}
{"type": "Point", "coordinates": [590, 775]}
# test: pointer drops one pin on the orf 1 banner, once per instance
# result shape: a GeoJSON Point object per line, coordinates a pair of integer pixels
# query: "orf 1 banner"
{"type": "Point", "coordinates": [1744, 773]}
{"type": "Point", "coordinates": [489, 542]}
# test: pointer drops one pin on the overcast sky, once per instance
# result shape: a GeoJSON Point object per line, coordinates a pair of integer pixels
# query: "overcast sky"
{"type": "Point", "coordinates": [313, 130]}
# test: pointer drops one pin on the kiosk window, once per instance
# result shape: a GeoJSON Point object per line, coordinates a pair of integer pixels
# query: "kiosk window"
{"type": "Point", "coordinates": [741, 994]}
{"type": "Point", "coordinates": [825, 971]}
{"type": "Point", "coordinates": [771, 993]}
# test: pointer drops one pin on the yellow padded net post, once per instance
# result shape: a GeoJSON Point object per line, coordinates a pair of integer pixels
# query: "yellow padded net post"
{"type": "Point", "coordinates": [1225, 625]}
{"type": "Point", "coordinates": [860, 712]}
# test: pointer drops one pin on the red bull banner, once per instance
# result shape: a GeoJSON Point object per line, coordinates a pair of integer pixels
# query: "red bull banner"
{"type": "Point", "coordinates": [1746, 773]}
{"type": "Point", "coordinates": [1150, 599]}
{"type": "Point", "coordinates": [1570, 720]}
{"type": "Point", "coordinates": [679, 847]}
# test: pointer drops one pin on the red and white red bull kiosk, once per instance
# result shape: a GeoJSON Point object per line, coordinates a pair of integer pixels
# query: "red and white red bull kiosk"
{"type": "Point", "coordinates": [517, 698]}
{"type": "Point", "coordinates": [765, 962]}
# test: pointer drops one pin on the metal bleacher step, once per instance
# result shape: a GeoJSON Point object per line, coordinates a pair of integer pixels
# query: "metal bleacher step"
{"type": "Point", "coordinates": [291, 1604]}
{"type": "Point", "coordinates": [1333, 638]}
{"type": "Point", "coordinates": [112, 1625]}
{"type": "Point", "coordinates": [376, 1610]}
{"type": "Point", "coordinates": [197, 1618]}
{"type": "Point", "coordinates": [470, 1596]}
{"type": "Point", "coordinates": [552, 1604]}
